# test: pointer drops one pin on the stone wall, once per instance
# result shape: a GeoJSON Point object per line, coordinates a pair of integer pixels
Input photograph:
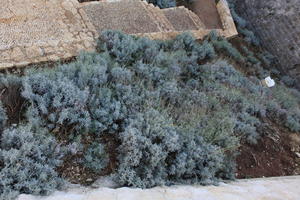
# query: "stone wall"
{"type": "Point", "coordinates": [277, 24]}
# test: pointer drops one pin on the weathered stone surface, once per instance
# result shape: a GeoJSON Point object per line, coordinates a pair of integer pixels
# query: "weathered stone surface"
{"type": "Point", "coordinates": [180, 18]}
{"type": "Point", "coordinates": [277, 23]}
{"type": "Point", "coordinates": [229, 28]}
{"type": "Point", "coordinates": [30, 28]}
{"type": "Point", "coordinates": [158, 16]}
{"type": "Point", "coordinates": [252, 189]}
{"type": "Point", "coordinates": [129, 16]}
{"type": "Point", "coordinates": [199, 23]}
{"type": "Point", "coordinates": [206, 10]}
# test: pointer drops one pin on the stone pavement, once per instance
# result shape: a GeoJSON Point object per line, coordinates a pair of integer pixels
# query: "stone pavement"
{"type": "Point", "coordinates": [33, 31]}
{"type": "Point", "coordinates": [183, 19]}
{"type": "Point", "coordinates": [280, 188]}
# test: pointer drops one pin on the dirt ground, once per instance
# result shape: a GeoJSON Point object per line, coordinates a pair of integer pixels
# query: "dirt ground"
{"type": "Point", "coordinates": [206, 10]}
{"type": "Point", "coordinates": [75, 172]}
{"type": "Point", "coordinates": [275, 154]}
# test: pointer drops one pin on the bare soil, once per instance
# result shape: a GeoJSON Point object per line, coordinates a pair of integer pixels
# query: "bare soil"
{"type": "Point", "coordinates": [14, 103]}
{"type": "Point", "coordinates": [275, 154]}
{"type": "Point", "coordinates": [75, 172]}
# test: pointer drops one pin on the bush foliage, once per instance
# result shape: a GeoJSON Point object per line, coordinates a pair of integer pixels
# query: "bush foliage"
{"type": "Point", "coordinates": [28, 158]}
{"type": "Point", "coordinates": [176, 110]}
{"type": "Point", "coordinates": [242, 25]}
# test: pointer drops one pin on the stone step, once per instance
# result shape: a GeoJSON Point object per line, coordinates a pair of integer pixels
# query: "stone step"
{"type": "Point", "coordinates": [157, 14]}
{"type": "Point", "coordinates": [129, 16]}
{"type": "Point", "coordinates": [198, 22]}
{"type": "Point", "coordinates": [183, 19]}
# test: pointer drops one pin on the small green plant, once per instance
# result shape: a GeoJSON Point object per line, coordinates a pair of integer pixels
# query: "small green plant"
{"type": "Point", "coordinates": [222, 44]}
{"type": "Point", "coordinates": [95, 157]}
{"type": "Point", "coordinates": [250, 56]}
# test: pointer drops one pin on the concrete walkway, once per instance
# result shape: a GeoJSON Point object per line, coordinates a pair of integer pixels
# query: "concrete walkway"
{"type": "Point", "coordinates": [281, 188]}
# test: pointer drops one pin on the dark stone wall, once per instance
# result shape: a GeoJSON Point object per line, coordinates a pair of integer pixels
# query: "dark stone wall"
{"type": "Point", "coordinates": [277, 24]}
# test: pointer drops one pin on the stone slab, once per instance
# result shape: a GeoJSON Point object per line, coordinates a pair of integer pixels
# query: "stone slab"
{"type": "Point", "coordinates": [160, 19]}
{"type": "Point", "coordinates": [207, 12]}
{"type": "Point", "coordinates": [281, 188]}
{"type": "Point", "coordinates": [196, 19]}
{"type": "Point", "coordinates": [180, 18]}
{"type": "Point", "coordinates": [34, 31]}
{"type": "Point", "coordinates": [129, 16]}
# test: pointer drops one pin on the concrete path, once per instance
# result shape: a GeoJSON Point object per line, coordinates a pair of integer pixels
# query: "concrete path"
{"type": "Point", "coordinates": [281, 188]}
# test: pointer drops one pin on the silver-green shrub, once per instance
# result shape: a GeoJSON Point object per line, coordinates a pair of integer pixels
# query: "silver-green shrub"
{"type": "Point", "coordinates": [3, 117]}
{"type": "Point", "coordinates": [153, 152]}
{"type": "Point", "coordinates": [95, 157]}
{"type": "Point", "coordinates": [28, 160]}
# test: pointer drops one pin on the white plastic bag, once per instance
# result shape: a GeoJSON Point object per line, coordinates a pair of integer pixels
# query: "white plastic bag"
{"type": "Point", "coordinates": [268, 82]}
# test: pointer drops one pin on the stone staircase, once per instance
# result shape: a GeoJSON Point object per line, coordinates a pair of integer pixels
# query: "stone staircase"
{"type": "Point", "coordinates": [129, 16]}
{"type": "Point", "coordinates": [35, 31]}
{"type": "Point", "coordinates": [141, 18]}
